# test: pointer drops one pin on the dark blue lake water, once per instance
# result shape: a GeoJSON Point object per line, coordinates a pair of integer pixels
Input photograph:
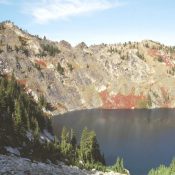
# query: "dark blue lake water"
{"type": "Point", "coordinates": [143, 138]}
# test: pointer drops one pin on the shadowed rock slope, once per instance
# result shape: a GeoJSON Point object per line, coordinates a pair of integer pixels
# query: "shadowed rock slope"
{"type": "Point", "coordinates": [130, 75]}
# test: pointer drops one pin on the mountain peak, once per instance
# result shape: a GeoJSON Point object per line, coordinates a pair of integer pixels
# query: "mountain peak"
{"type": "Point", "coordinates": [82, 45]}
{"type": "Point", "coordinates": [65, 44]}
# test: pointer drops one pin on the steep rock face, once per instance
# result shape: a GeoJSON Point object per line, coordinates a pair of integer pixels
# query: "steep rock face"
{"type": "Point", "coordinates": [129, 75]}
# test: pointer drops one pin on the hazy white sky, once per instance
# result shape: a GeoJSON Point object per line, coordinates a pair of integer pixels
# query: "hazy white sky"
{"type": "Point", "coordinates": [94, 21]}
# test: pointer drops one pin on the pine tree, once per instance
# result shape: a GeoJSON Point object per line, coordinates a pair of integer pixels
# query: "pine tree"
{"type": "Point", "coordinates": [3, 82]}
{"type": "Point", "coordinates": [17, 115]}
{"type": "Point", "coordinates": [83, 155]}
{"type": "Point", "coordinates": [34, 126]}
{"type": "Point", "coordinates": [42, 101]}
{"type": "Point", "coordinates": [119, 166]}
{"type": "Point", "coordinates": [73, 139]}
{"type": "Point", "coordinates": [66, 147]}
{"type": "Point", "coordinates": [2, 101]}
{"type": "Point", "coordinates": [95, 149]}
{"type": "Point", "coordinates": [89, 148]}
{"type": "Point", "coordinates": [25, 119]}
{"type": "Point", "coordinates": [172, 166]}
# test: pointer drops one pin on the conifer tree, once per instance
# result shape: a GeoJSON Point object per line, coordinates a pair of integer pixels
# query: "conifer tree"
{"type": "Point", "coordinates": [2, 100]}
{"type": "Point", "coordinates": [34, 126]}
{"type": "Point", "coordinates": [83, 152]}
{"type": "Point", "coordinates": [25, 119]}
{"type": "Point", "coordinates": [66, 147]}
{"type": "Point", "coordinates": [42, 101]}
{"type": "Point", "coordinates": [17, 115]}
{"type": "Point", "coordinates": [119, 166]}
{"type": "Point", "coordinates": [89, 148]}
{"type": "Point", "coordinates": [73, 139]}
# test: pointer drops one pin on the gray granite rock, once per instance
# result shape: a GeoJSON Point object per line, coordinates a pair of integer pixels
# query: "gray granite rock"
{"type": "Point", "coordinates": [12, 165]}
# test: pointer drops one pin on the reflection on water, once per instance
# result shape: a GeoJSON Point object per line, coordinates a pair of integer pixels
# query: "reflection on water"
{"type": "Point", "coordinates": [144, 138]}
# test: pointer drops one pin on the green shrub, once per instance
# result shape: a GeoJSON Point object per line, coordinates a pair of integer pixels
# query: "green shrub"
{"type": "Point", "coordinates": [60, 69]}
{"type": "Point", "coordinates": [160, 59]}
{"type": "Point", "coordinates": [119, 166]}
{"type": "Point", "coordinates": [164, 170]}
{"type": "Point", "coordinates": [51, 49]}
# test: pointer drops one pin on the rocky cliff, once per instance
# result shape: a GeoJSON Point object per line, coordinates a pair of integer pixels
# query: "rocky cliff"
{"type": "Point", "coordinates": [130, 75]}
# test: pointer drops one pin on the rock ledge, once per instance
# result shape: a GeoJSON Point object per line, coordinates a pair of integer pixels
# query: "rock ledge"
{"type": "Point", "coordinates": [12, 165]}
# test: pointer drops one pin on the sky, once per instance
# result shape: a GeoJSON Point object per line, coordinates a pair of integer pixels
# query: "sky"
{"type": "Point", "coordinates": [94, 21]}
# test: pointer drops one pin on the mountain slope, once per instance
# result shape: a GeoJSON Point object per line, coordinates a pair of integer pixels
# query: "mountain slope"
{"type": "Point", "coordinates": [129, 75]}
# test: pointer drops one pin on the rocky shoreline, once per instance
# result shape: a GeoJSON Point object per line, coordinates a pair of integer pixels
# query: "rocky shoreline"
{"type": "Point", "coordinates": [12, 165]}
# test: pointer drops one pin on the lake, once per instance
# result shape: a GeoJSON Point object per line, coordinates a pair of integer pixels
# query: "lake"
{"type": "Point", "coordinates": [143, 138]}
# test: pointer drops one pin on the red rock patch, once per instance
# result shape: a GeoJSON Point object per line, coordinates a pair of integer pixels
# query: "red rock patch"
{"type": "Point", "coordinates": [41, 63]}
{"type": "Point", "coordinates": [121, 101]}
{"type": "Point", "coordinates": [22, 82]}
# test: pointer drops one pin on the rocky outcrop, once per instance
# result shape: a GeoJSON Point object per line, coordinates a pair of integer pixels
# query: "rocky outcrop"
{"type": "Point", "coordinates": [129, 75]}
{"type": "Point", "coordinates": [11, 165]}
